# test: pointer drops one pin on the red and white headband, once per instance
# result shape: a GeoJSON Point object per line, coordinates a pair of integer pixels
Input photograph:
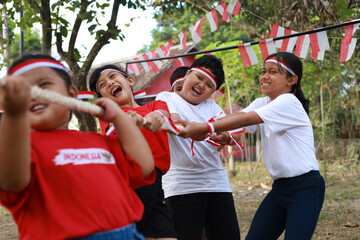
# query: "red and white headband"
{"type": "Point", "coordinates": [111, 69]}
{"type": "Point", "coordinates": [207, 74]}
{"type": "Point", "coordinates": [36, 63]}
{"type": "Point", "coordinates": [177, 80]}
{"type": "Point", "coordinates": [282, 64]}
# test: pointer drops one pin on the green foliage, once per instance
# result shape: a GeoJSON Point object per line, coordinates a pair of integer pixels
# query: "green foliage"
{"type": "Point", "coordinates": [32, 43]}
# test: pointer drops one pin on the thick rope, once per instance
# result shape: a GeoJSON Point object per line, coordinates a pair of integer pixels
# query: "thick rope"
{"type": "Point", "coordinates": [72, 103]}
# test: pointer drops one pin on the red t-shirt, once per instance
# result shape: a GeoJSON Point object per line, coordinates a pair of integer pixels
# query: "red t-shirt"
{"type": "Point", "coordinates": [158, 141]}
{"type": "Point", "coordinates": [81, 184]}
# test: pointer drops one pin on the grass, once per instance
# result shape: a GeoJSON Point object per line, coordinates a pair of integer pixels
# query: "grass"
{"type": "Point", "coordinates": [340, 215]}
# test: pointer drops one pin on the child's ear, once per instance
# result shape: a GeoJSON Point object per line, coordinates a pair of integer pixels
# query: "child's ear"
{"type": "Point", "coordinates": [131, 81]}
{"type": "Point", "coordinates": [292, 80]}
{"type": "Point", "coordinates": [73, 91]}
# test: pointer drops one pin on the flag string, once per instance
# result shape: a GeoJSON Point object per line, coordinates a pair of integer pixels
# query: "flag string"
{"type": "Point", "coordinates": [250, 43]}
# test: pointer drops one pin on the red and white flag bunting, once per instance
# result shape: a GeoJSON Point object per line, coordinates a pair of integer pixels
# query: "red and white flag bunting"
{"type": "Point", "coordinates": [139, 94]}
{"type": "Point", "coordinates": [135, 67]}
{"type": "Point", "coordinates": [234, 7]}
{"type": "Point", "coordinates": [151, 65]}
{"type": "Point", "coordinates": [302, 46]}
{"type": "Point", "coordinates": [123, 66]}
{"type": "Point", "coordinates": [288, 44]}
{"type": "Point", "coordinates": [248, 55]}
{"type": "Point", "coordinates": [213, 20]}
{"type": "Point", "coordinates": [183, 38]}
{"type": "Point", "coordinates": [86, 95]}
{"type": "Point", "coordinates": [319, 43]}
{"type": "Point", "coordinates": [347, 50]}
{"type": "Point", "coordinates": [221, 8]}
{"type": "Point", "coordinates": [267, 47]}
{"type": "Point", "coordinates": [277, 31]}
{"type": "Point", "coordinates": [348, 43]}
{"type": "Point", "coordinates": [195, 30]}
{"type": "Point", "coordinates": [164, 50]}
{"type": "Point", "coordinates": [179, 62]}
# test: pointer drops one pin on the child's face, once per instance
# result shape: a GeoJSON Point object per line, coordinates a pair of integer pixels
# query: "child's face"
{"type": "Point", "coordinates": [274, 82]}
{"type": "Point", "coordinates": [178, 86]}
{"type": "Point", "coordinates": [48, 116]}
{"type": "Point", "coordinates": [114, 85]}
{"type": "Point", "coordinates": [197, 87]}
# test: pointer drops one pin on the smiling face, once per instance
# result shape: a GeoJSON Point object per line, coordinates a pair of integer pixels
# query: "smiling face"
{"type": "Point", "coordinates": [112, 84]}
{"type": "Point", "coordinates": [178, 86]}
{"type": "Point", "coordinates": [48, 116]}
{"type": "Point", "coordinates": [274, 80]}
{"type": "Point", "coordinates": [197, 87]}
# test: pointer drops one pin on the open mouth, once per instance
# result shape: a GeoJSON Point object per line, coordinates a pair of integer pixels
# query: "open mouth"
{"type": "Point", "coordinates": [196, 91]}
{"type": "Point", "coordinates": [38, 107]}
{"type": "Point", "coordinates": [116, 91]}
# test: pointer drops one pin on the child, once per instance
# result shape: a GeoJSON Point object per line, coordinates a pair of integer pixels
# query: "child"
{"type": "Point", "coordinates": [60, 183]}
{"type": "Point", "coordinates": [197, 188]}
{"type": "Point", "coordinates": [177, 78]}
{"type": "Point", "coordinates": [297, 195]}
{"type": "Point", "coordinates": [111, 82]}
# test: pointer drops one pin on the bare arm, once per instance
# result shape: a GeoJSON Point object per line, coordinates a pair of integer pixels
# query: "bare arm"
{"type": "Point", "coordinates": [198, 131]}
{"type": "Point", "coordinates": [131, 139]}
{"type": "Point", "coordinates": [15, 170]}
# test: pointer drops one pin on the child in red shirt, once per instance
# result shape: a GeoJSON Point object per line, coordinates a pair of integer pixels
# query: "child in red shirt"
{"type": "Point", "coordinates": [60, 183]}
{"type": "Point", "coordinates": [111, 82]}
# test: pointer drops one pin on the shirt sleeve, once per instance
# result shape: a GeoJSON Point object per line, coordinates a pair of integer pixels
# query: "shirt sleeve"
{"type": "Point", "coordinates": [284, 112]}
{"type": "Point", "coordinates": [160, 105]}
{"type": "Point", "coordinates": [169, 100]}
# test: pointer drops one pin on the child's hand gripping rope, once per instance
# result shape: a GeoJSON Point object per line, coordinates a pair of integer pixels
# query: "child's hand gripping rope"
{"type": "Point", "coordinates": [75, 104]}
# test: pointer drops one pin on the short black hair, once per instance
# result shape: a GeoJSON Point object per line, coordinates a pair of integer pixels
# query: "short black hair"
{"type": "Point", "coordinates": [63, 74]}
{"type": "Point", "coordinates": [178, 73]}
{"type": "Point", "coordinates": [214, 64]}
{"type": "Point", "coordinates": [96, 74]}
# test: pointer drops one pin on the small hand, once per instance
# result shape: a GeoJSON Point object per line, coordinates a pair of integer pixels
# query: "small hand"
{"type": "Point", "coordinates": [136, 118]}
{"type": "Point", "coordinates": [111, 109]}
{"type": "Point", "coordinates": [194, 130]}
{"type": "Point", "coordinates": [154, 121]}
{"type": "Point", "coordinates": [15, 96]}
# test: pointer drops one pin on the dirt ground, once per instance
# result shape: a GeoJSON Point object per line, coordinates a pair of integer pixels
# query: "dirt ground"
{"type": "Point", "coordinates": [339, 219]}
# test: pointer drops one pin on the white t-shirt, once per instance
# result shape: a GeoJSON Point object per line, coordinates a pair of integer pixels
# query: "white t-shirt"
{"type": "Point", "coordinates": [202, 172]}
{"type": "Point", "coordinates": [286, 135]}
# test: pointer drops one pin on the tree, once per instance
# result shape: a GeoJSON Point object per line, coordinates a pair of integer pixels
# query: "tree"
{"type": "Point", "coordinates": [332, 87]}
{"type": "Point", "coordinates": [56, 28]}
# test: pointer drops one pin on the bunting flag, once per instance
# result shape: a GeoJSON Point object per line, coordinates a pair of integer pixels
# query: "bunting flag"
{"type": "Point", "coordinates": [85, 95]}
{"type": "Point", "coordinates": [234, 7]}
{"type": "Point", "coordinates": [348, 43]}
{"type": "Point", "coordinates": [179, 62]}
{"type": "Point", "coordinates": [182, 36]}
{"type": "Point", "coordinates": [347, 50]}
{"type": "Point", "coordinates": [248, 55]}
{"type": "Point", "coordinates": [213, 20]}
{"type": "Point", "coordinates": [277, 31]}
{"type": "Point", "coordinates": [267, 47]}
{"type": "Point", "coordinates": [349, 32]}
{"type": "Point", "coordinates": [195, 30]}
{"type": "Point", "coordinates": [139, 94]}
{"type": "Point", "coordinates": [319, 43]}
{"type": "Point", "coordinates": [288, 44]}
{"type": "Point", "coordinates": [221, 8]}
{"type": "Point", "coordinates": [135, 67]}
{"type": "Point", "coordinates": [302, 46]}
{"type": "Point", "coordinates": [150, 65]}
{"type": "Point", "coordinates": [127, 71]}
{"type": "Point", "coordinates": [164, 50]}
